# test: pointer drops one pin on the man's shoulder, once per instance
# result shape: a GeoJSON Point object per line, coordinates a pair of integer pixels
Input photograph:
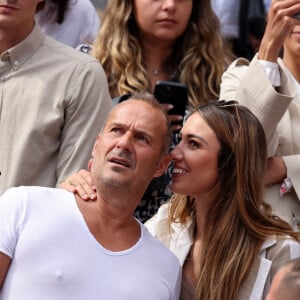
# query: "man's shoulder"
{"type": "Point", "coordinates": [23, 199]}
{"type": "Point", "coordinates": [33, 192]}
{"type": "Point", "coordinates": [64, 52]}
{"type": "Point", "coordinates": [155, 246]}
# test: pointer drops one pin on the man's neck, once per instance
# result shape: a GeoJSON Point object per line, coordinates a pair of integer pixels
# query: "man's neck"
{"type": "Point", "coordinates": [113, 226]}
{"type": "Point", "coordinates": [10, 38]}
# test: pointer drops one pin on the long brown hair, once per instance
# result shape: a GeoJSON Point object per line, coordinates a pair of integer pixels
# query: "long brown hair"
{"type": "Point", "coordinates": [200, 57]}
{"type": "Point", "coordinates": [239, 221]}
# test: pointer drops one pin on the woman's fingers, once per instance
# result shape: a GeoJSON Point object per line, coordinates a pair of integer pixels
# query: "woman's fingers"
{"type": "Point", "coordinates": [80, 183]}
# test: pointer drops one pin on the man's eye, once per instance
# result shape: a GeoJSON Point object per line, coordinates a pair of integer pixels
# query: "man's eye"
{"type": "Point", "coordinates": [143, 138]}
{"type": "Point", "coordinates": [115, 129]}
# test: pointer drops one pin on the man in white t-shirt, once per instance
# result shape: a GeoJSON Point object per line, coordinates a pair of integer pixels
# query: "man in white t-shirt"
{"type": "Point", "coordinates": [54, 245]}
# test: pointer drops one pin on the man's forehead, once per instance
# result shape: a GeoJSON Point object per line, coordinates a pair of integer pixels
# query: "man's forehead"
{"type": "Point", "coordinates": [137, 114]}
{"type": "Point", "coordinates": [134, 111]}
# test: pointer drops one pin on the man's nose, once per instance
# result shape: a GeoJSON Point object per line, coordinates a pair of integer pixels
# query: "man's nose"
{"type": "Point", "coordinates": [125, 141]}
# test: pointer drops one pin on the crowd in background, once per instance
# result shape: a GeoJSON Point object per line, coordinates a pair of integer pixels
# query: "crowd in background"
{"type": "Point", "coordinates": [224, 197]}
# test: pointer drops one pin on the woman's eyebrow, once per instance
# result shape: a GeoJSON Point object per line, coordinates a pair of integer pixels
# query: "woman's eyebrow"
{"type": "Point", "coordinates": [199, 137]}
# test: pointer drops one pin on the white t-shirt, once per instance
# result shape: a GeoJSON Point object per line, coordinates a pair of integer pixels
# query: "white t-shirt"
{"type": "Point", "coordinates": [55, 256]}
{"type": "Point", "coordinates": [80, 25]}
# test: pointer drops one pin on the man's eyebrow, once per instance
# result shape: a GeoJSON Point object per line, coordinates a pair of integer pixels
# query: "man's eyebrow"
{"type": "Point", "coordinates": [198, 137]}
{"type": "Point", "coordinates": [143, 132]}
{"type": "Point", "coordinates": [115, 124]}
{"type": "Point", "coordinates": [135, 130]}
{"type": "Point", "coordinates": [109, 125]}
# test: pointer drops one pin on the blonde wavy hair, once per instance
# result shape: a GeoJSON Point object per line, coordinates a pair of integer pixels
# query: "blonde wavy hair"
{"type": "Point", "coordinates": [199, 56]}
{"type": "Point", "coordinates": [239, 221]}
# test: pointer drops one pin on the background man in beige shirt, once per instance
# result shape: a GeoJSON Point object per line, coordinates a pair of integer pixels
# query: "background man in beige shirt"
{"type": "Point", "coordinates": [53, 101]}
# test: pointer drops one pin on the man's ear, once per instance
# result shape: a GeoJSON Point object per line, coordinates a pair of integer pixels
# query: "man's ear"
{"type": "Point", "coordinates": [96, 144]}
{"type": "Point", "coordinates": [162, 165]}
{"type": "Point", "coordinates": [90, 164]}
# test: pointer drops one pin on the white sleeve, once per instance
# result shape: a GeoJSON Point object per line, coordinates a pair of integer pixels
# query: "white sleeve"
{"type": "Point", "coordinates": [272, 71]}
{"type": "Point", "coordinates": [12, 211]}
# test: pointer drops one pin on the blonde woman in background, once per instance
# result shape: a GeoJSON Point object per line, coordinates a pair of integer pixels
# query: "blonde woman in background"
{"type": "Point", "coordinates": [143, 41]}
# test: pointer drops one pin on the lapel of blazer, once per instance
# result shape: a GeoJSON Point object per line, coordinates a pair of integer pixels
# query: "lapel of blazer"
{"type": "Point", "coordinates": [258, 280]}
{"type": "Point", "coordinates": [182, 238]}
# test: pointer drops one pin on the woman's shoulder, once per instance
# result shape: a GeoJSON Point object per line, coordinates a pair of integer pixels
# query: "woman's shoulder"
{"type": "Point", "coordinates": [160, 217]}
{"type": "Point", "coordinates": [281, 246]}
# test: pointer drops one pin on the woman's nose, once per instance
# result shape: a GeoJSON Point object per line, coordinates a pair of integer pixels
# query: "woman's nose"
{"type": "Point", "coordinates": [176, 153]}
{"type": "Point", "coordinates": [168, 4]}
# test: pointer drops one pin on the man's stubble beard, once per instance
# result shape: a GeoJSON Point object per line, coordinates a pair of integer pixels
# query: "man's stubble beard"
{"type": "Point", "coordinates": [105, 183]}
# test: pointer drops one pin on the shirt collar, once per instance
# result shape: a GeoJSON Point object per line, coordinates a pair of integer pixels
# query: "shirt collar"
{"type": "Point", "coordinates": [20, 53]}
{"type": "Point", "coordinates": [268, 243]}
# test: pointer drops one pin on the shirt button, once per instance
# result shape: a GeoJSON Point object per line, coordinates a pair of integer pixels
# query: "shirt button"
{"type": "Point", "coordinates": [16, 62]}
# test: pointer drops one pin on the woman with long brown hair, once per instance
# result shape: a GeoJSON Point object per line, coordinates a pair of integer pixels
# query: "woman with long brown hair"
{"type": "Point", "coordinates": [217, 223]}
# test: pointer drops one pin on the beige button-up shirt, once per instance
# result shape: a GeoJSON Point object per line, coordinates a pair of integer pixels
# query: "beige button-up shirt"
{"type": "Point", "coordinates": [53, 102]}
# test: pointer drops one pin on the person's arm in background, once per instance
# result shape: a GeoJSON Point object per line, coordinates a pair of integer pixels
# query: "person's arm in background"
{"type": "Point", "coordinates": [264, 86]}
{"type": "Point", "coordinates": [88, 106]}
{"type": "Point", "coordinates": [84, 20]}
{"type": "Point", "coordinates": [4, 265]}
{"type": "Point", "coordinates": [92, 22]}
